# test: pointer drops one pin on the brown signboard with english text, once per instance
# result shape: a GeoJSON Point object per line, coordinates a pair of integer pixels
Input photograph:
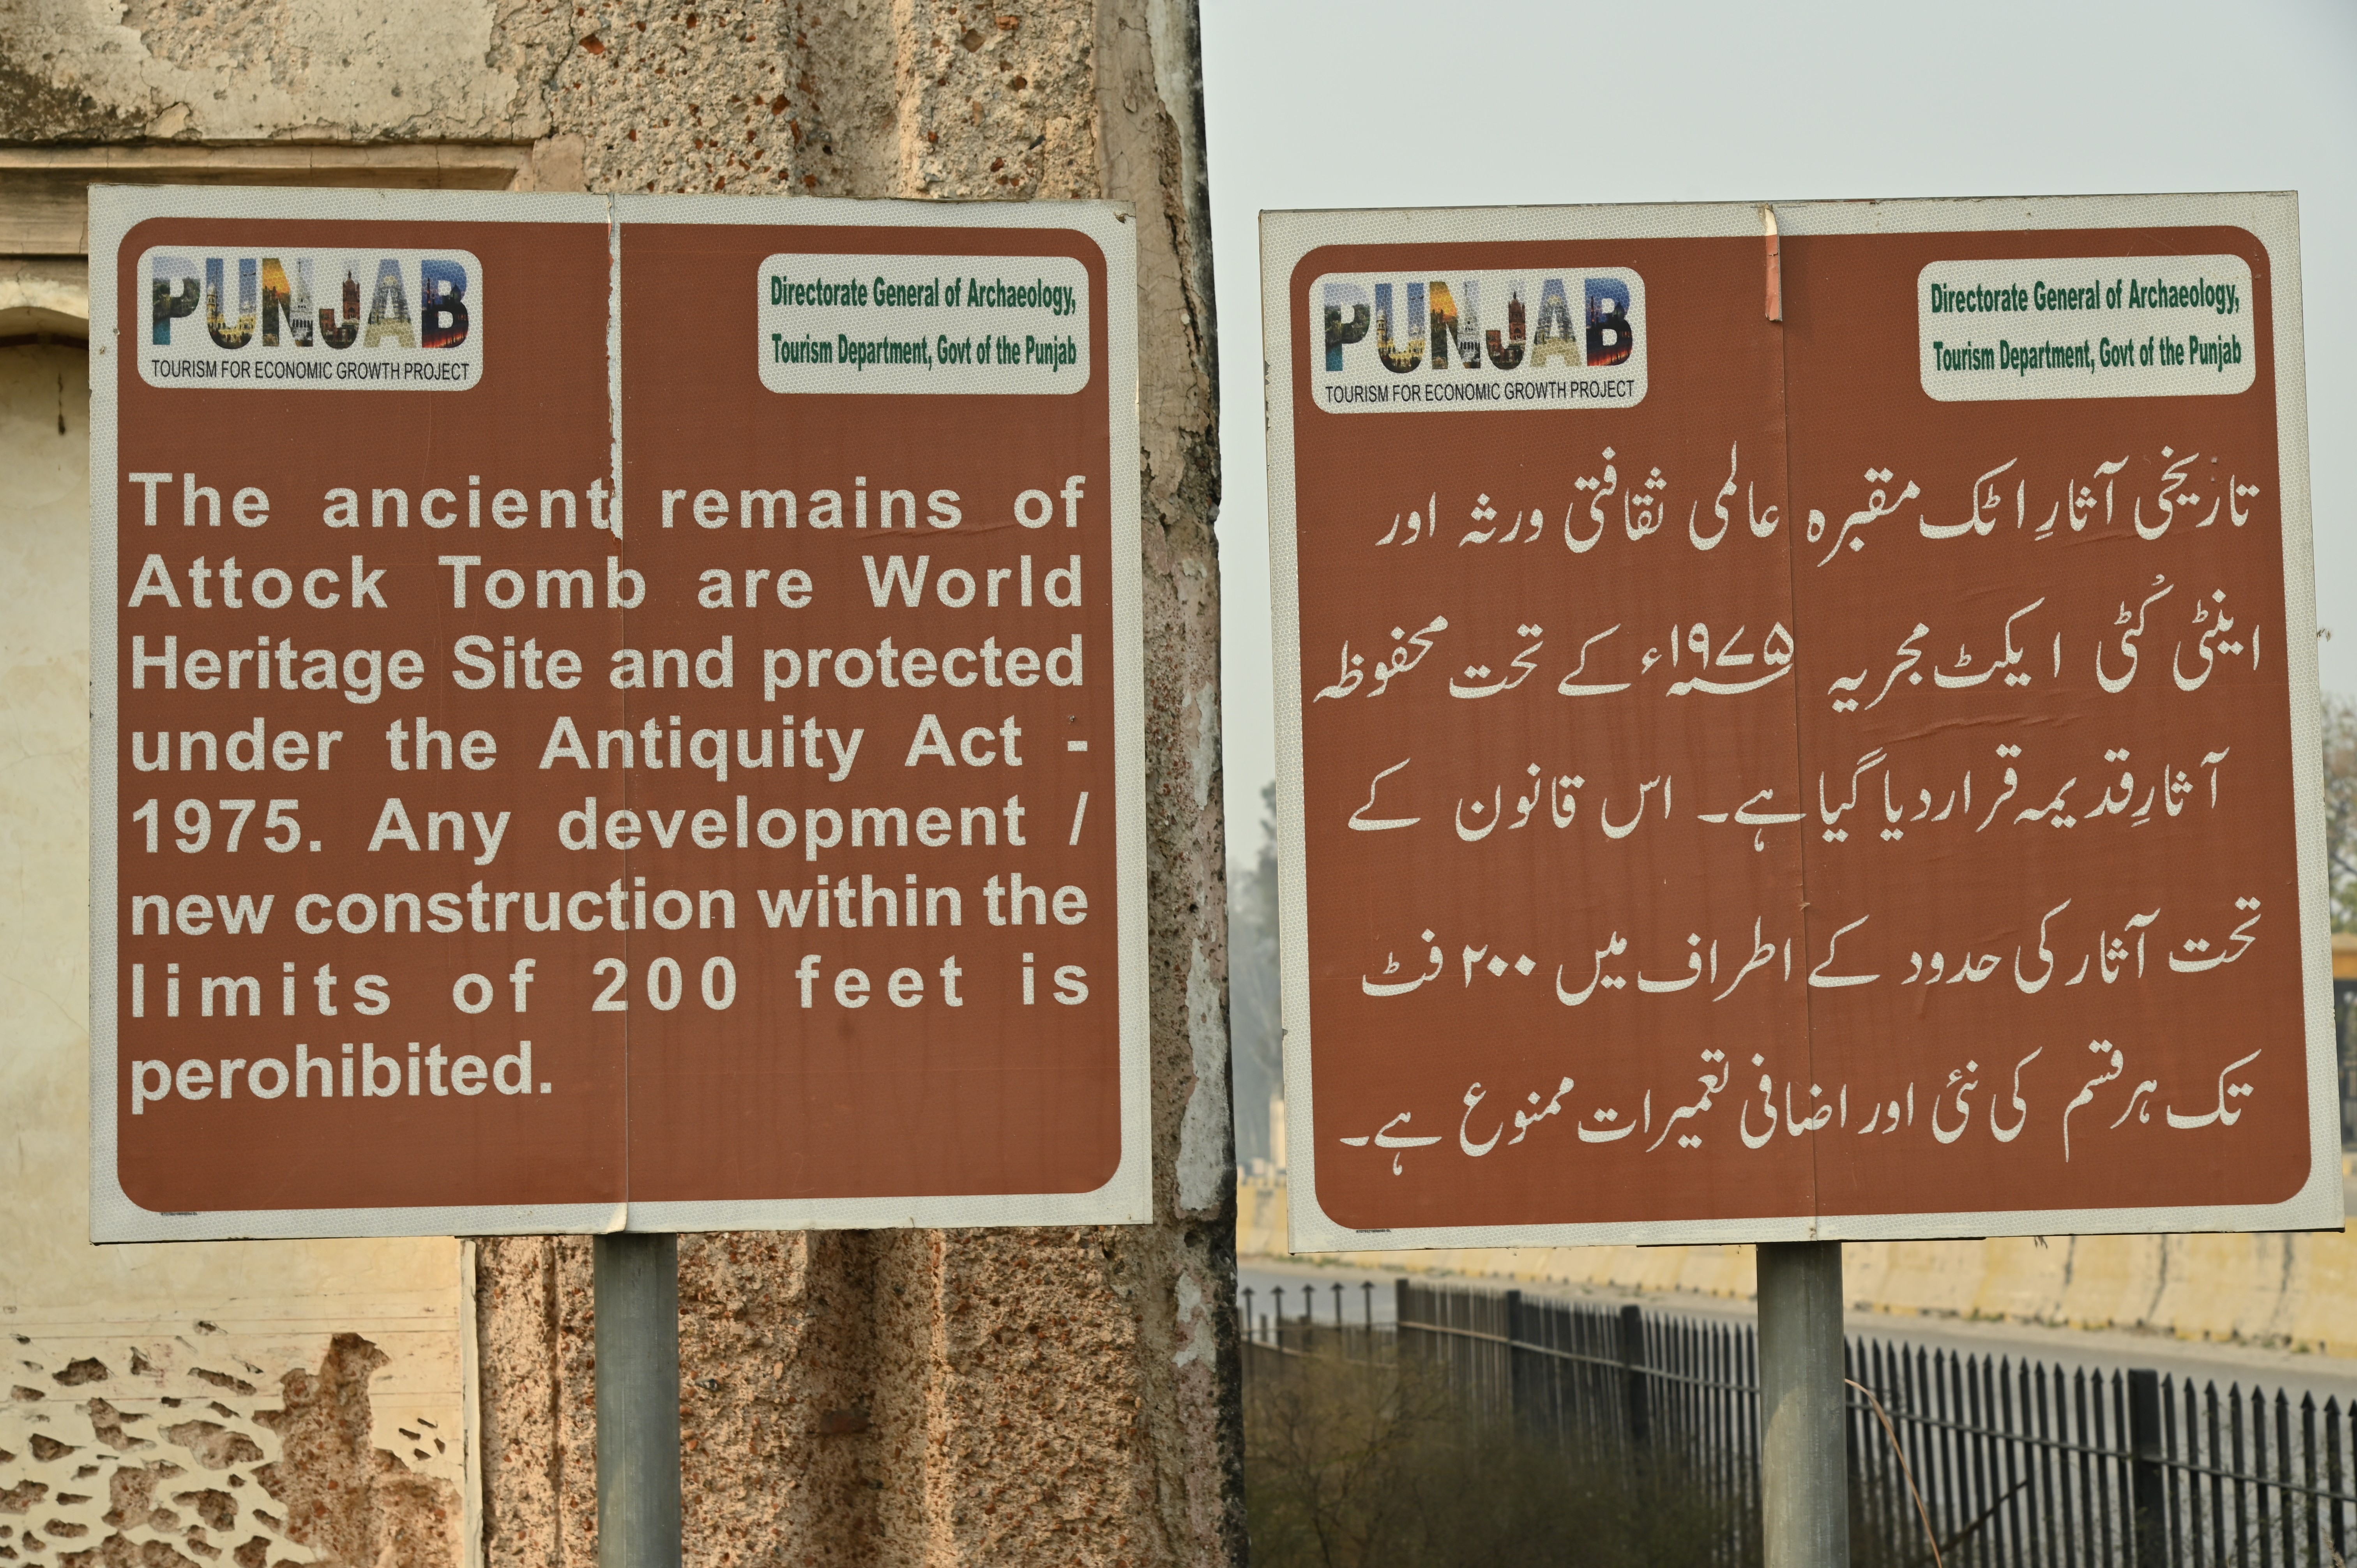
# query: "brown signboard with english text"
{"type": "Point", "coordinates": [613, 713]}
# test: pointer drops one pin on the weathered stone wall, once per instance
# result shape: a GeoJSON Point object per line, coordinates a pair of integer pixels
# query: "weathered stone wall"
{"type": "Point", "coordinates": [71, 70]}
{"type": "Point", "coordinates": [935, 1396]}
{"type": "Point", "coordinates": [888, 1397]}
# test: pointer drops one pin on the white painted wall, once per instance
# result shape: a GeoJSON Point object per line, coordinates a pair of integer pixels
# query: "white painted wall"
{"type": "Point", "coordinates": [192, 1340]}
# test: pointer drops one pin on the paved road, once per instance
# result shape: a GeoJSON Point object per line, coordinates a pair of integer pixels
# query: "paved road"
{"type": "Point", "coordinates": [2325, 1377]}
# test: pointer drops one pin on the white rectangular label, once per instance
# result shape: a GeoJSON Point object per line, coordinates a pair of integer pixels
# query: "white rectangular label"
{"type": "Point", "coordinates": [282, 317]}
{"type": "Point", "coordinates": [923, 324]}
{"type": "Point", "coordinates": [2086, 326]}
{"type": "Point", "coordinates": [1444, 339]}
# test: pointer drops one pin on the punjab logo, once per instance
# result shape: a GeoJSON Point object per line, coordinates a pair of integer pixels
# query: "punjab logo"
{"type": "Point", "coordinates": [366, 320]}
{"type": "Point", "coordinates": [1458, 340]}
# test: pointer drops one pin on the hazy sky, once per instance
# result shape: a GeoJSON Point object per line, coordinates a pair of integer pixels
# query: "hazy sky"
{"type": "Point", "coordinates": [1485, 103]}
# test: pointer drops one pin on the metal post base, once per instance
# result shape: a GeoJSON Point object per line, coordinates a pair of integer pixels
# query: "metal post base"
{"type": "Point", "coordinates": [1803, 1467]}
{"type": "Point", "coordinates": [638, 1400]}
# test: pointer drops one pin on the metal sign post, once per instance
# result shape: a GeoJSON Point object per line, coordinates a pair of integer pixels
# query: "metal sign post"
{"type": "Point", "coordinates": [1803, 1481]}
{"type": "Point", "coordinates": [637, 1303]}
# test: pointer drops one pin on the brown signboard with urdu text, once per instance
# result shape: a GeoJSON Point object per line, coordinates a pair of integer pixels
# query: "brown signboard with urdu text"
{"type": "Point", "coordinates": [1802, 734]}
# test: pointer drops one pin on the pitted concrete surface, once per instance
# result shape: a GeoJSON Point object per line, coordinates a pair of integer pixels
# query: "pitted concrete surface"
{"type": "Point", "coordinates": [80, 70]}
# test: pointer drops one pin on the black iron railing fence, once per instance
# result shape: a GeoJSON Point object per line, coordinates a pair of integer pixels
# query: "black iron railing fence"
{"type": "Point", "coordinates": [2014, 1462]}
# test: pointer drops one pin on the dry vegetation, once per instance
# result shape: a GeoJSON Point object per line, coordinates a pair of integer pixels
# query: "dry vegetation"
{"type": "Point", "coordinates": [1355, 1465]}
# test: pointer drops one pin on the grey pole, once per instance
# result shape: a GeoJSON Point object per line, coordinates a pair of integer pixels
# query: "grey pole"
{"type": "Point", "coordinates": [638, 1400]}
{"type": "Point", "coordinates": [1803, 1467]}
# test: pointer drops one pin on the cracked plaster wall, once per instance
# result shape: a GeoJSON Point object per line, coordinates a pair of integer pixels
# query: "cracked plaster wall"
{"type": "Point", "coordinates": [257, 1404]}
{"type": "Point", "coordinates": [91, 71]}
{"type": "Point", "coordinates": [889, 1397]}
{"type": "Point", "coordinates": [245, 1443]}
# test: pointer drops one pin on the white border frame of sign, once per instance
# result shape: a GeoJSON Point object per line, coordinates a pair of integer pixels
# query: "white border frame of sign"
{"type": "Point", "coordinates": [1125, 1198]}
{"type": "Point", "coordinates": [2274, 220]}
